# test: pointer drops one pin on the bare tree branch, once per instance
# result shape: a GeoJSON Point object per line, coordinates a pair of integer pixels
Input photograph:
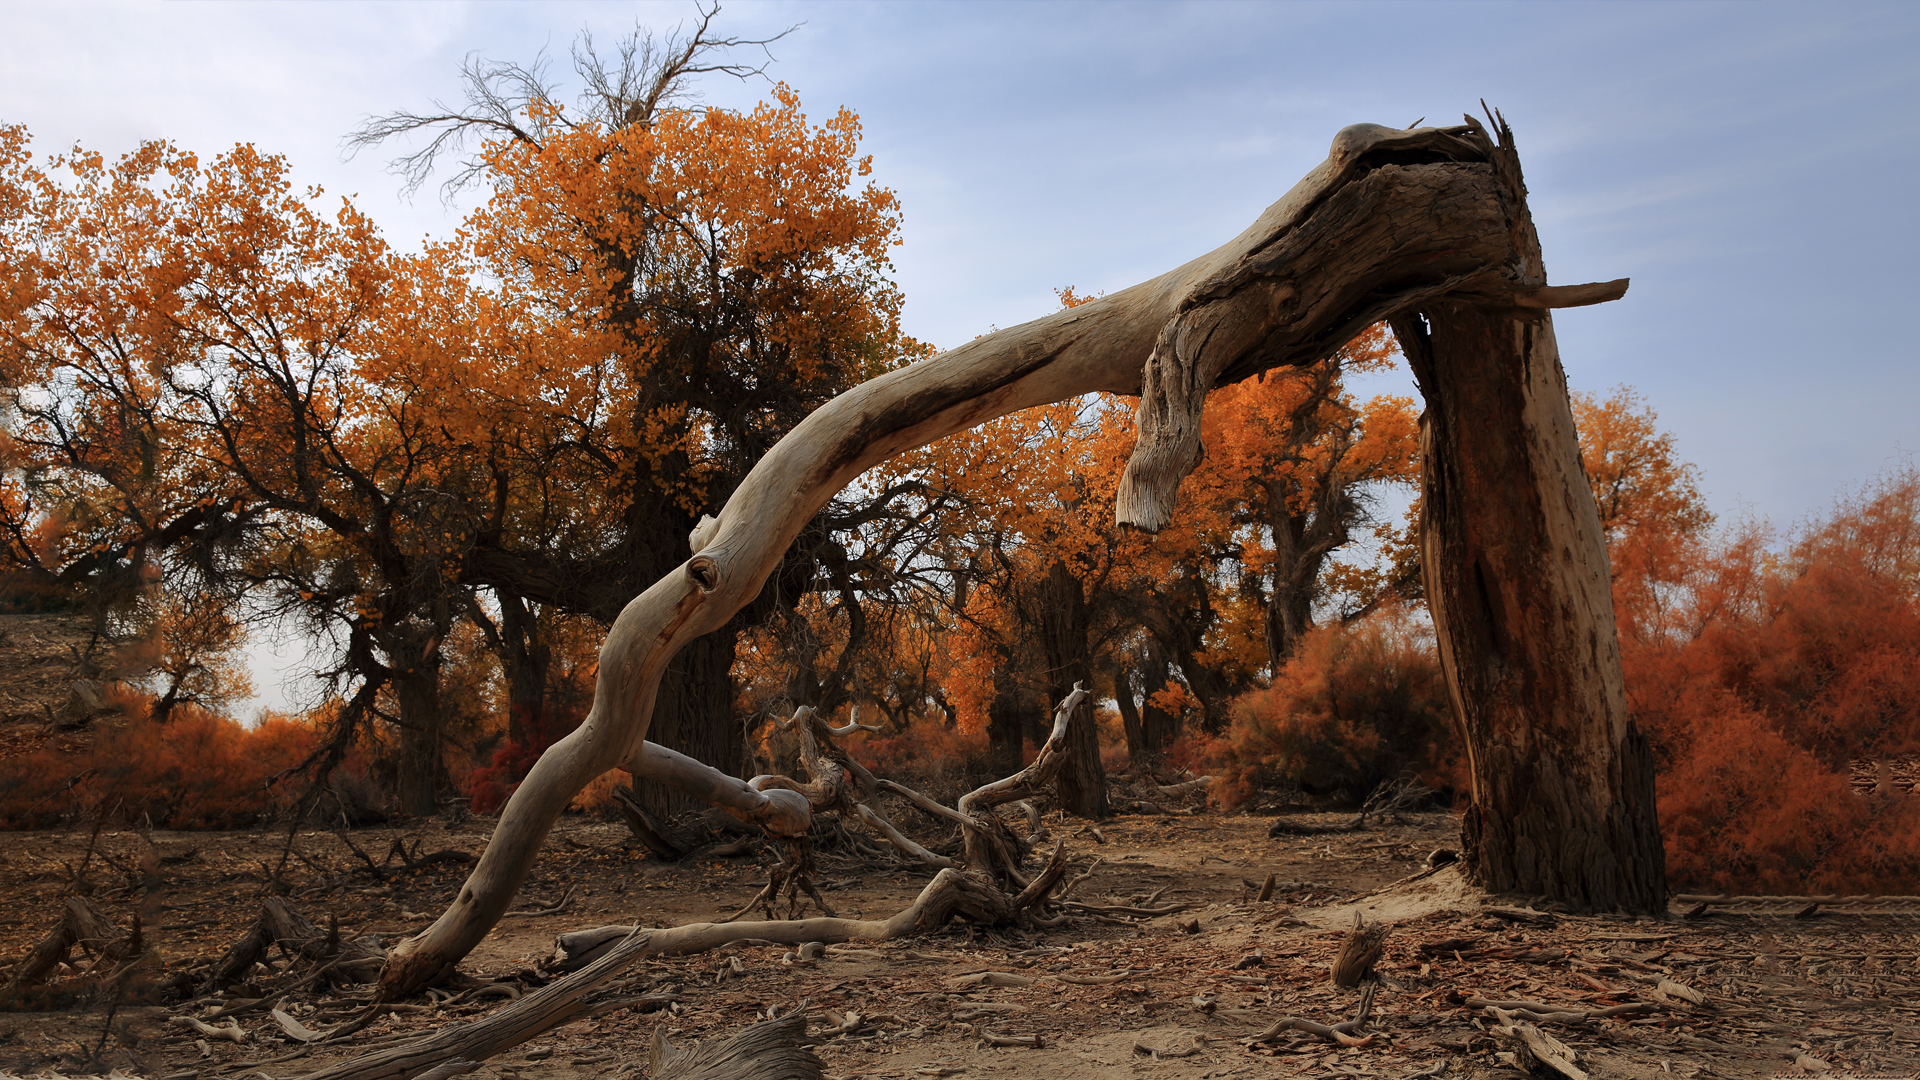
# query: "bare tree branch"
{"type": "Point", "coordinates": [519, 103]}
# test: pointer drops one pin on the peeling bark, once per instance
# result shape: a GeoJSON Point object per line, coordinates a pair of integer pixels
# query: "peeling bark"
{"type": "Point", "coordinates": [1517, 584]}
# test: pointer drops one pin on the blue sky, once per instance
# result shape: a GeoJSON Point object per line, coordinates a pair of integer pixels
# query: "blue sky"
{"type": "Point", "coordinates": [1751, 166]}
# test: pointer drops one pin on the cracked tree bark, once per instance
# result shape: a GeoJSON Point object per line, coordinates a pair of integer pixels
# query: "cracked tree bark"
{"type": "Point", "coordinates": [1394, 221]}
{"type": "Point", "coordinates": [1518, 586]}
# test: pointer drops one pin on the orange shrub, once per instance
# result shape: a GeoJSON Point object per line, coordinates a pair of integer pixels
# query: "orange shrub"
{"type": "Point", "coordinates": [197, 771]}
{"type": "Point", "coordinates": [939, 760]}
{"type": "Point", "coordinates": [1352, 708]}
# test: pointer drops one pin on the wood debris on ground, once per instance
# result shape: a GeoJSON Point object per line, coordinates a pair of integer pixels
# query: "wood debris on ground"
{"type": "Point", "coordinates": [1462, 986]}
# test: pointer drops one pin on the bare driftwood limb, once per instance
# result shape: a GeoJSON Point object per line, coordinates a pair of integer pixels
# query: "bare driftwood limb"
{"type": "Point", "coordinates": [775, 1050]}
{"type": "Point", "coordinates": [1185, 787]}
{"type": "Point", "coordinates": [1346, 1033]}
{"type": "Point", "coordinates": [230, 1031]}
{"type": "Point", "coordinates": [951, 893]}
{"type": "Point", "coordinates": [1533, 1046]}
{"type": "Point", "coordinates": [782, 813]}
{"type": "Point", "coordinates": [1358, 953]}
{"type": "Point", "coordinates": [837, 783]}
{"type": "Point", "coordinates": [1393, 222]}
{"type": "Point", "coordinates": [595, 956]}
{"type": "Point", "coordinates": [1036, 821]}
{"type": "Point", "coordinates": [990, 846]}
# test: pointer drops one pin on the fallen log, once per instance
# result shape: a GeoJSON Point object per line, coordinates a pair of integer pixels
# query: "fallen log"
{"type": "Point", "coordinates": [82, 924]}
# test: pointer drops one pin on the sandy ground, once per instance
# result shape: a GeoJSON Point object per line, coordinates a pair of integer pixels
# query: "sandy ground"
{"type": "Point", "coordinates": [1187, 990]}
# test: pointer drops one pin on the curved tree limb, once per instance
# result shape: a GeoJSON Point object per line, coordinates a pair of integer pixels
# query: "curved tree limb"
{"type": "Point", "coordinates": [1391, 219]}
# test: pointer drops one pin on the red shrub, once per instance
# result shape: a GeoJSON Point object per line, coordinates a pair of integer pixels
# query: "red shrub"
{"type": "Point", "coordinates": [1759, 675]}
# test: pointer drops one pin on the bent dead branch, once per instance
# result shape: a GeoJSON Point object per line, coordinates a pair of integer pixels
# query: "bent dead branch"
{"type": "Point", "coordinates": [595, 956]}
{"type": "Point", "coordinates": [1392, 220]}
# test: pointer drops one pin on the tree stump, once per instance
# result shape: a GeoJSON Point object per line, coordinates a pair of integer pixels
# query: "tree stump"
{"type": "Point", "coordinates": [1359, 952]}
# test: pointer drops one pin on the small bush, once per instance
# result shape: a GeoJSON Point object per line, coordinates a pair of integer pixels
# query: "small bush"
{"type": "Point", "coordinates": [1353, 708]}
{"type": "Point", "coordinates": [929, 756]}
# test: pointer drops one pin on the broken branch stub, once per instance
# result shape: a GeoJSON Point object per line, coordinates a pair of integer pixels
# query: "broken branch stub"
{"type": "Point", "coordinates": [1393, 219]}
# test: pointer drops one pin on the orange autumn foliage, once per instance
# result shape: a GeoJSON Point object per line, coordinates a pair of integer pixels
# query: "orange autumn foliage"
{"type": "Point", "coordinates": [1761, 673]}
{"type": "Point", "coordinates": [241, 390]}
{"type": "Point", "coordinates": [197, 771]}
{"type": "Point", "coordinates": [1354, 706]}
{"type": "Point", "coordinates": [928, 754]}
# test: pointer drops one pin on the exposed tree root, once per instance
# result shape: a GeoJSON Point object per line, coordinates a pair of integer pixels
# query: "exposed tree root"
{"type": "Point", "coordinates": [1346, 1033]}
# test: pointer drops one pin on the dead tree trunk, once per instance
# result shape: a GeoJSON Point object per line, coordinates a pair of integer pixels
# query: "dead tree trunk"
{"type": "Point", "coordinates": [1517, 583]}
{"type": "Point", "coordinates": [1393, 221]}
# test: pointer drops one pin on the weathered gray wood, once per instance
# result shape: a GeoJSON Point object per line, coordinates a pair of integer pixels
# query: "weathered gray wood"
{"type": "Point", "coordinates": [595, 956]}
{"type": "Point", "coordinates": [771, 1051]}
{"type": "Point", "coordinates": [782, 813]}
